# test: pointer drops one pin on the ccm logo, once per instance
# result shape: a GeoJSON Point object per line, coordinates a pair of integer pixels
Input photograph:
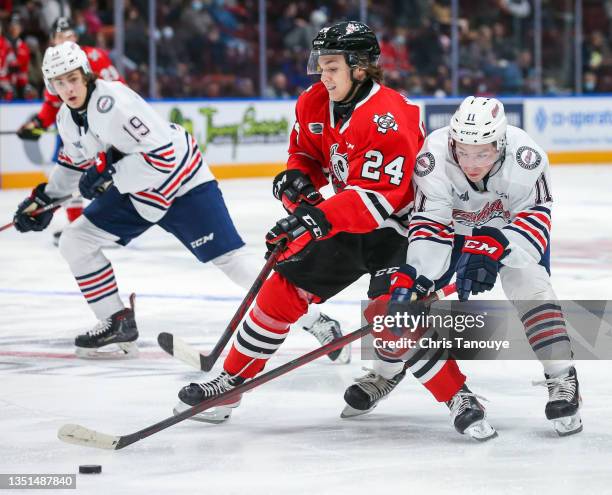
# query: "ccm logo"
{"type": "Point", "coordinates": [316, 230]}
{"type": "Point", "coordinates": [202, 240]}
{"type": "Point", "coordinates": [385, 271]}
{"type": "Point", "coordinates": [480, 246]}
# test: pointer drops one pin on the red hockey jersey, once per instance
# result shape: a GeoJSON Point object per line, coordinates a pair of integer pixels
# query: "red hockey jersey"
{"type": "Point", "coordinates": [101, 65]}
{"type": "Point", "coordinates": [369, 157]}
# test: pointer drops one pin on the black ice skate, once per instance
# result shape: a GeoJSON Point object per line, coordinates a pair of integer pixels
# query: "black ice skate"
{"type": "Point", "coordinates": [564, 401]}
{"type": "Point", "coordinates": [468, 415]}
{"type": "Point", "coordinates": [326, 329]}
{"type": "Point", "coordinates": [111, 338]}
{"type": "Point", "coordinates": [369, 390]}
{"type": "Point", "coordinates": [194, 393]}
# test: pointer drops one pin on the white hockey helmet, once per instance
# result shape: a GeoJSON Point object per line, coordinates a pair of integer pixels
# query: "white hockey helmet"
{"type": "Point", "coordinates": [61, 59]}
{"type": "Point", "coordinates": [479, 120]}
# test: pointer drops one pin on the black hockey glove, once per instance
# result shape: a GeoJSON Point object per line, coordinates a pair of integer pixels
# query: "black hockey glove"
{"type": "Point", "coordinates": [31, 130]}
{"type": "Point", "coordinates": [24, 222]}
{"type": "Point", "coordinates": [480, 261]}
{"type": "Point", "coordinates": [292, 187]}
{"type": "Point", "coordinates": [406, 291]}
{"type": "Point", "coordinates": [306, 218]}
{"type": "Point", "coordinates": [99, 177]}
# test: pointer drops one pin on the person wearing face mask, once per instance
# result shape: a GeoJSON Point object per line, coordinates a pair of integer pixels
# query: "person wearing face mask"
{"type": "Point", "coordinates": [483, 210]}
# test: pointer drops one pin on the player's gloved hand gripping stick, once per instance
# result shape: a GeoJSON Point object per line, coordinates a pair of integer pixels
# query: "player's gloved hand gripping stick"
{"type": "Point", "coordinates": [43, 207]}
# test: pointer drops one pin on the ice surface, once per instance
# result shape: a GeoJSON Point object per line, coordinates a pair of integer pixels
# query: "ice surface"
{"type": "Point", "coordinates": [287, 436]}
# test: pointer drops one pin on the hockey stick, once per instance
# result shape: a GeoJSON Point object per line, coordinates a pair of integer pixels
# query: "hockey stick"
{"type": "Point", "coordinates": [51, 206]}
{"type": "Point", "coordinates": [38, 132]}
{"type": "Point", "coordinates": [80, 435]}
{"type": "Point", "coordinates": [205, 362]}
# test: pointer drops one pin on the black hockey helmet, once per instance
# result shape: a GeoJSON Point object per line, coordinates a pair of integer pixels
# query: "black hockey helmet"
{"type": "Point", "coordinates": [355, 40]}
{"type": "Point", "coordinates": [61, 25]}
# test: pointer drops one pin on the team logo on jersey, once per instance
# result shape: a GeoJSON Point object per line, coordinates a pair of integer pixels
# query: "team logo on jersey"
{"type": "Point", "coordinates": [339, 163]}
{"type": "Point", "coordinates": [385, 122]}
{"type": "Point", "coordinates": [105, 103]}
{"type": "Point", "coordinates": [528, 158]}
{"type": "Point", "coordinates": [315, 127]}
{"type": "Point", "coordinates": [425, 164]}
{"type": "Point", "coordinates": [483, 216]}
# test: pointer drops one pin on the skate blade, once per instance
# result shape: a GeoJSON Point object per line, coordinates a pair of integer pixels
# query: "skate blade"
{"type": "Point", "coordinates": [123, 350]}
{"type": "Point", "coordinates": [345, 355]}
{"type": "Point", "coordinates": [481, 431]}
{"type": "Point", "coordinates": [568, 426]}
{"type": "Point", "coordinates": [351, 412]}
{"type": "Point", "coordinates": [215, 415]}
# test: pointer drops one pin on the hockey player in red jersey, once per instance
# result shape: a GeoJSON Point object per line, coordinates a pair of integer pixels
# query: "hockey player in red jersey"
{"type": "Point", "coordinates": [364, 137]}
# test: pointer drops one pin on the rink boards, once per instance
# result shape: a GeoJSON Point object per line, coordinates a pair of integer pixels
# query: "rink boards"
{"type": "Point", "coordinates": [249, 138]}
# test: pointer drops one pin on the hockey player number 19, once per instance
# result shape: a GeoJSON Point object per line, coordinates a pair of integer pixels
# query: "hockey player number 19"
{"type": "Point", "coordinates": [139, 125]}
{"type": "Point", "coordinates": [393, 169]}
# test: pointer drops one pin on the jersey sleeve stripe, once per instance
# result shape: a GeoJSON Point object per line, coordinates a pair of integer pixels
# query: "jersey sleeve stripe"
{"type": "Point", "coordinates": [528, 237]}
{"type": "Point", "coordinates": [534, 233]}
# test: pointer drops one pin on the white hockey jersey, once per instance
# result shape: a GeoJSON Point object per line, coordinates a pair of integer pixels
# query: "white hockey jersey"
{"type": "Point", "coordinates": [516, 199]}
{"type": "Point", "coordinates": [162, 161]}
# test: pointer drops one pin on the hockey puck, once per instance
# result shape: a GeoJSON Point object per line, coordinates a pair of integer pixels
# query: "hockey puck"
{"type": "Point", "coordinates": [90, 469]}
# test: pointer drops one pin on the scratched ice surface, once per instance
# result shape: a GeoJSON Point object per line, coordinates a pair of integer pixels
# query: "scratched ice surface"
{"type": "Point", "coordinates": [287, 436]}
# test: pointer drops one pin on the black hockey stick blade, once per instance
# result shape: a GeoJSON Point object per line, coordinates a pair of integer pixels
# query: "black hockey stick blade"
{"type": "Point", "coordinates": [80, 435]}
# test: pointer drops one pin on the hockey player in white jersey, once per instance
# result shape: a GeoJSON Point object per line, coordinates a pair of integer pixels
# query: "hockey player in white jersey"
{"type": "Point", "coordinates": [482, 208]}
{"type": "Point", "coordinates": [140, 171]}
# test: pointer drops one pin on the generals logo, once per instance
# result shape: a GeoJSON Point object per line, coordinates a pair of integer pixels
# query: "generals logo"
{"type": "Point", "coordinates": [385, 122]}
{"type": "Point", "coordinates": [528, 158]}
{"type": "Point", "coordinates": [425, 164]}
{"type": "Point", "coordinates": [482, 216]}
{"type": "Point", "coordinates": [339, 165]}
{"type": "Point", "coordinates": [105, 103]}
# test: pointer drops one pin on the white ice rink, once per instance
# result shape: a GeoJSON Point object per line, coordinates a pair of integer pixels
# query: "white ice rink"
{"type": "Point", "coordinates": [287, 436]}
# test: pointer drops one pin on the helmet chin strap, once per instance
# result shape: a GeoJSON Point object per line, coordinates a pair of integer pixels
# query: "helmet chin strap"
{"type": "Point", "coordinates": [355, 85]}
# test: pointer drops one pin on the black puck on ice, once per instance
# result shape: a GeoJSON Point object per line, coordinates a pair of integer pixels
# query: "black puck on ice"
{"type": "Point", "coordinates": [90, 469]}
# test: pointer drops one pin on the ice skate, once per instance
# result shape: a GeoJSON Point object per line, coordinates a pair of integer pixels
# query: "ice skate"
{"type": "Point", "coordinates": [468, 415]}
{"type": "Point", "coordinates": [194, 393]}
{"type": "Point", "coordinates": [113, 337]}
{"type": "Point", "coordinates": [367, 392]}
{"type": "Point", "coordinates": [564, 402]}
{"type": "Point", "coordinates": [326, 329]}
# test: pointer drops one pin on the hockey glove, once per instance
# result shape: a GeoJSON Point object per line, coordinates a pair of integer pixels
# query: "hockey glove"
{"type": "Point", "coordinates": [293, 187]}
{"type": "Point", "coordinates": [305, 219]}
{"type": "Point", "coordinates": [98, 178]}
{"type": "Point", "coordinates": [480, 261]}
{"type": "Point", "coordinates": [31, 130]}
{"type": "Point", "coordinates": [404, 293]}
{"type": "Point", "coordinates": [24, 222]}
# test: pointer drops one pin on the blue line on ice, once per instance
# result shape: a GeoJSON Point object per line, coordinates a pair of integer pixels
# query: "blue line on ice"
{"type": "Point", "coordinates": [198, 297]}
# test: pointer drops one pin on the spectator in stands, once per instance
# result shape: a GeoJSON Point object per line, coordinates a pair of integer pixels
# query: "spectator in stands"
{"type": "Point", "coordinates": [278, 87]}
{"type": "Point", "coordinates": [20, 65]}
